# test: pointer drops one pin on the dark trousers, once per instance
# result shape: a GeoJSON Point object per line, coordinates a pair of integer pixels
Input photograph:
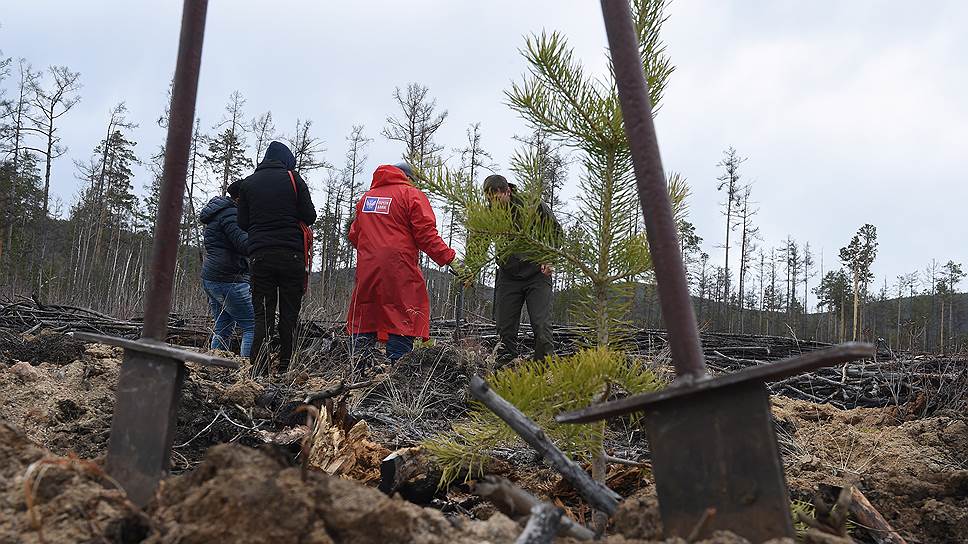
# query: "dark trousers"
{"type": "Point", "coordinates": [510, 296]}
{"type": "Point", "coordinates": [397, 345]}
{"type": "Point", "coordinates": [278, 277]}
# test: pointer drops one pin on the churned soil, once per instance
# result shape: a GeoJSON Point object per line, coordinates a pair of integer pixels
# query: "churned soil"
{"type": "Point", "coordinates": [57, 399]}
{"type": "Point", "coordinates": [914, 472]}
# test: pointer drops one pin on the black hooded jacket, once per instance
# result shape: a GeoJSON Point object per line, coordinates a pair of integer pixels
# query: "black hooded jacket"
{"type": "Point", "coordinates": [269, 209]}
{"type": "Point", "coordinates": [226, 245]}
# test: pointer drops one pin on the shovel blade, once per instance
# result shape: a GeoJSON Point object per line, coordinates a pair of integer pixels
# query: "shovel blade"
{"type": "Point", "coordinates": [143, 427]}
{"type": "Point", "coordinates": [717, 449]}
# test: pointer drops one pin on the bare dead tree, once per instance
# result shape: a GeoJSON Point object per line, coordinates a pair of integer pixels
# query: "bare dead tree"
{"type": "Point", "coordinates": [265, 131]}
{"type": "Point", "coordinates": [473, 159]}
{"type": "Point", "coordinates": [808, 273]}
{"type": "Point", "coordinates": [355, 158]}
{"type": "Point", "coordinates": [794, 265]}
{"type": "Point", "coordinates": [49, 105]}
{"type": "Point", "coordinates": [416, 126]}
{"type": "Point", "coordinates": [352, 170]}
{"type": "Point", "coordinates": [307, 149]}
{"type": "Point", "coordinates": [730, 181]}
{"type": "Point", "coordinates": [748, 236]}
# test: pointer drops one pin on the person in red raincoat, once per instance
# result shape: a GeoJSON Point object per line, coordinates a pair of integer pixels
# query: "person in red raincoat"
{"type": "Point", "coordinates": [390, 304]}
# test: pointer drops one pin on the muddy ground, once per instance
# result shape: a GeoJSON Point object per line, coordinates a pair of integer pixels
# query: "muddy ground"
{"type": "Point", "coordinates": [57, 399]}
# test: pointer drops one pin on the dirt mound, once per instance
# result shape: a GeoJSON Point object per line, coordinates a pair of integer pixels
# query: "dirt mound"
{"type": "Point", "coordinates": [64, 407]}
{"type": "Point", "coordinates": [67, 407]}
{"type": "Point", "coordinates": [913, 472]}
{"type": "Point", "coordinates": [244, 495]}
{"type": "Point", "coordinates": [45, 498]}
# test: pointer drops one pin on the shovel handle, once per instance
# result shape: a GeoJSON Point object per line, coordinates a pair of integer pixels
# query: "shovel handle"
{"type": "Point", "coordinates": [660, 222]}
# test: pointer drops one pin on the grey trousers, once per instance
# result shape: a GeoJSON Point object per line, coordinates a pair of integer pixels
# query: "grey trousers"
{"type": "Point", "coordinates": [510, 296]}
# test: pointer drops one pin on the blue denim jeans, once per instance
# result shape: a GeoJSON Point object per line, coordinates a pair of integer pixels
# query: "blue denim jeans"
{"type": "Point", "coordinates": [231, 305]}
{"type": "Point", "coordinates": [397, 346]}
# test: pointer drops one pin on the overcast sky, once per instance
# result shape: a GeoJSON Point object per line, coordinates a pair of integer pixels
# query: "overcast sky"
{"type": "Point", "coordinates": [849, 112]}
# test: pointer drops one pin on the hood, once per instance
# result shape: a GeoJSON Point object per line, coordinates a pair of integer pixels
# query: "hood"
{"type": "Point", "coordinates": [214, 206]}
{"type": "Point", "coordinates": [279, 152]}
{"type": "Point", "coordinates": [388, 175]}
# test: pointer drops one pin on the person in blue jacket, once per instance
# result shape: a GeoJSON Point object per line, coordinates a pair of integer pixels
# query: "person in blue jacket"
{"type": "Point", "coordinates": [225, 272]}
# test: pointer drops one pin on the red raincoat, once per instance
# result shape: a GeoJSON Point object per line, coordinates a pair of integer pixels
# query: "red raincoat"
{"type": "Point", "coordinates": [393, 220]}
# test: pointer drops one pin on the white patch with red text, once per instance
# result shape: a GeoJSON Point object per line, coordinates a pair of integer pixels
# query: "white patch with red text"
{"type": "Point", "coordinates": [377, 204]}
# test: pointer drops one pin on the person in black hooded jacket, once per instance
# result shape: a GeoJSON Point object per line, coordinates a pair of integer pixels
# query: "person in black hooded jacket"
{"type": "Point", "coordinates": [275, 208]}
{"type": "Point", "coordinates": [225, 274]}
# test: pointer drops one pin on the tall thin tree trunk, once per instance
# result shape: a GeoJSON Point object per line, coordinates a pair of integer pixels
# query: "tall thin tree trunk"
{"type": "Point", "coordinates": [856, 300]}
{"type": "Point", "coordinates": [941, 329]}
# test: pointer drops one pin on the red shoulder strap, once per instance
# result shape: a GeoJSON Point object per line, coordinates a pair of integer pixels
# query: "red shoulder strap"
{"type": "Point", "coordinates": [293, 181]}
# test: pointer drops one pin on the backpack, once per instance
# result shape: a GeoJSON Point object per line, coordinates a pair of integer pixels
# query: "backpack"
{"type": "Point", "coordinates": [307, 236]}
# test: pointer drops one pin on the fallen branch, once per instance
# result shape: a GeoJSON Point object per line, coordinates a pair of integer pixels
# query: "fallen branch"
{"type": "Point", "coordinates": [336, 390]}
{"type": "Point", "coordinates": [627, 462]}
{"type": "Point", "coordinates": [597, 494]}
{"type": "Point", "coordinates": [542, 526]}
{"type": "Point", "coordinates": [514, 502]}
{"type": "Point", "coordinates": [700, 527]}
{"type": "Point", "coordinates": [869, 518]}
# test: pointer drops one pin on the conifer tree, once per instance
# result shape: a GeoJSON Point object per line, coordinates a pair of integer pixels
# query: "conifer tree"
{"type": "Point", "coordinates": [21, 185]}
{"type": "Point", "coordinates": [352, 176]}
{"type": "Point", "coordinates": [227, 149]}
{"type": "Point", "coordinates": [14, 129]}
{"type": "Point", "coordinates": [582, 113]}
{"type": "Point", "coordinates": [858, 256]}
{"type": "Point", "coordinates": [541, 391]}
{"type": "Point", "coordinates": [832, 294]}
{"type": "Point", "coordinates": [951, 276]}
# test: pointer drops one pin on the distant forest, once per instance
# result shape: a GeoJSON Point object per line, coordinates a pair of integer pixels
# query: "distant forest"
{"type": "Point", "coordinates": [92, 250]}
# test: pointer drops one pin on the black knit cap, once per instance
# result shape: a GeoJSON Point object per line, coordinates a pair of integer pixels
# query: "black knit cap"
{"type": "Point", "coordinates": [496, 183]}
{"type": "Point", "coordinates": [234, 188]}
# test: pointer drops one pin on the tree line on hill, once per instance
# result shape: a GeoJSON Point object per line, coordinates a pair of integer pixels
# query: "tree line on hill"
{"type": "Point", "coordinates": [93, 250]}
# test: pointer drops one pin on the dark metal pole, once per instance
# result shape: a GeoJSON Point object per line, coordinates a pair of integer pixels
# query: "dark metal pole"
{"type": "Point", "coordinates": [164, 251]}
{"type": "Point", "coordinates": [151, 376]}
{"type": "Point", "coordinates": [670, 273]}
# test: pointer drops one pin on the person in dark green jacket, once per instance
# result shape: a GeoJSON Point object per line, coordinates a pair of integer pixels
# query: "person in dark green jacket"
{"type": "Point", "coordinates": [521, 282]}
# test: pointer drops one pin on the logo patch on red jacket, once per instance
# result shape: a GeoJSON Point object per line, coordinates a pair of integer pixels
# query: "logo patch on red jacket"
{"type": "Point", "coordinates": [377, 204]}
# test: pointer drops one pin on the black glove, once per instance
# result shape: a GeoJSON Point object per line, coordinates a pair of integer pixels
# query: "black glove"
{"type": "Point", "coordinates": [461, 272]}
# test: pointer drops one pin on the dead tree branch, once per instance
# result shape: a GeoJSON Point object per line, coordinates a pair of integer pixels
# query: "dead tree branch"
{"type": "Point", "coordinates": [542, 526]}
{"type": "Point", "coordinates": [515, 503]}
{"type": "Point", "coordinates": [597, 494]}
